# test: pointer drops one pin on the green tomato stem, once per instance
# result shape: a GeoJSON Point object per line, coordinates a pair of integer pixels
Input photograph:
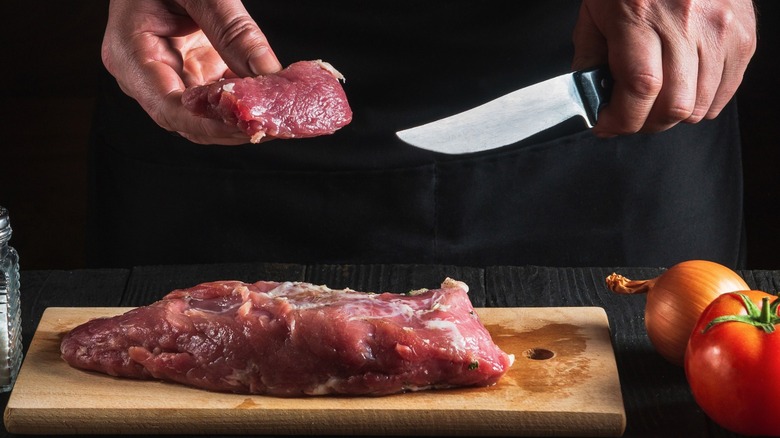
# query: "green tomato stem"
{"type": "Point", "coordinates": [764, 318]}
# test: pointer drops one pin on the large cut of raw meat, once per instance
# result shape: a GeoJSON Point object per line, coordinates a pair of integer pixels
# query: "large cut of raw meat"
{"type": "Point", "coordinates": [294, 339]}
{"type": "Point", "coordinates": [305, 99]}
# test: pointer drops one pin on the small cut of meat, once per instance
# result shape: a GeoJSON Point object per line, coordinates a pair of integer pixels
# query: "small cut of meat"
{"type": "Point", "coordinates": [294, 339]}
{"type": "Point", "coordinates": [305, 99]}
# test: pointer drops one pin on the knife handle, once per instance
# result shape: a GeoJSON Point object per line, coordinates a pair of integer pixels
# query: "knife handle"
{"type": "Point", "coordinates": [595, 87]}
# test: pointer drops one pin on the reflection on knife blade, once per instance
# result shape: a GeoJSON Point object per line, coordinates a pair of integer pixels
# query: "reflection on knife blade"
{"type": "Point", "coordinates": [517, 115]}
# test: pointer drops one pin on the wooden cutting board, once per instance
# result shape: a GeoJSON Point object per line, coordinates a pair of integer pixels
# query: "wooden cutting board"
{"type": "Point", "coordinates": [564, 382]}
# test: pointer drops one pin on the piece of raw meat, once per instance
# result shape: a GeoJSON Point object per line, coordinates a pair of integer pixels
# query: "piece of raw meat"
{"type": "Point", "coordinates": [305, 99]}
{"type": "Point", "coordinates": [295, 339]}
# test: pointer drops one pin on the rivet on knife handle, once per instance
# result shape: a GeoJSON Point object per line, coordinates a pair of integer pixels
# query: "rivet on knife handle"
{"type": "Point", "coordinates": [595, 87]}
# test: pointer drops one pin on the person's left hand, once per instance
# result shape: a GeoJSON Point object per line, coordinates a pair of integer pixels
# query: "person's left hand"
{"type": "Point", "coordinates": [671, 60]}
{"type": "Point", "coordinates": [157, 48]}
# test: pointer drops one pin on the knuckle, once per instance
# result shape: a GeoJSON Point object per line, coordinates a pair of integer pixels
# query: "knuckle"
{"type": "Point", "coordinates": [746, 44]}
{"type": "Point", "coordinates": [641, 10]}
{"type": "Point", "coordinates": [644, 84]}
{"type": "Point", "coordinates": [105, 56]}
{"type": "Point", "coordinates": [697, 115]}
{"type": "Point", "coordinates": [713, 112]}
{"type": "Point", "coordinates": [668, 113]}
{"type": "Point", "coordinates": [721, 22]}
{"type": "Point", "coordinates": [675, 113]}
{"type": "Point", "coordinates": [726, 26]}
{"type": "Point", "coordinates": [687, 12]}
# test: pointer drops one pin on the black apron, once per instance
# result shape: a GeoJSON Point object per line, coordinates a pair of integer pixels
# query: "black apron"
{"type": "Point", "coordinates": [564, 198]}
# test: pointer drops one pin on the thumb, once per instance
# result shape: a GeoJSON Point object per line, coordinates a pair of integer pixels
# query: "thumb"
{"type": "Point", "coordinates": [235, 36]}
{"type": "Point", "coordinates": [590, 45]}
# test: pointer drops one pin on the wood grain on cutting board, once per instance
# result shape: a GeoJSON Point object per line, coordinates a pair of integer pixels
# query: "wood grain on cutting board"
{"type": "Point", "coordinates": [564, 382]}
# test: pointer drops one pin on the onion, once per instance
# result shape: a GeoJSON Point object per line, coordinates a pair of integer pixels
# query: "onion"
{"type": "Point", "coordinates": [676, 299]}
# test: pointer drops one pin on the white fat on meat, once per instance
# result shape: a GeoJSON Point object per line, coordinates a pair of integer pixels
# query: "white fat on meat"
{"type": "Point", "coordinates": [455, 336]}
{"type": "Point", "coordinates": [332, 70]}
{"type": "Point", "coordinates": [228, 88]}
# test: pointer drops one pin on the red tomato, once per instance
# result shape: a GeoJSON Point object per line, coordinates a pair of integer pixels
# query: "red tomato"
{"type": "Point", "coordinates": [733, 366]}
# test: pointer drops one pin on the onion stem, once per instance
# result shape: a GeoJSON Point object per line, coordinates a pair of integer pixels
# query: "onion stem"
{"type": "Point", "coordinates": [622, 285]}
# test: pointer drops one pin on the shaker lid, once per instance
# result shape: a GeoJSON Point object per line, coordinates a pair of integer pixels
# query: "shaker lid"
{"type": "Point", "coordinates": [5, 224]}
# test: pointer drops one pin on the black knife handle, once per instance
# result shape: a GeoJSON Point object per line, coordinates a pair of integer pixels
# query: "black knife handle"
{"type": "Point", "coordinates": [595, 87]}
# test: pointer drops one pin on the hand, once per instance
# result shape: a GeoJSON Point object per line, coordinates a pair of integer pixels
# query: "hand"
{"type": "Point", "coordinates": [672, 60]}
{"type": "Point", "coordinates": [157, 48]}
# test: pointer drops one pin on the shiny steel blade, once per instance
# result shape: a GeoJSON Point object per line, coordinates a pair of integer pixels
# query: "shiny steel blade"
{"type": "Point", "coordinates": [502, 121]}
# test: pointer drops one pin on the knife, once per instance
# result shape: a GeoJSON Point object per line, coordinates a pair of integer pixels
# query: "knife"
{"type": "Point", "coordinates": [517, 115]}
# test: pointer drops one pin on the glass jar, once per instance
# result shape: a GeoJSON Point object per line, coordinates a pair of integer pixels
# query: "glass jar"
{"type": "Point", "coordinates": [10, 318]}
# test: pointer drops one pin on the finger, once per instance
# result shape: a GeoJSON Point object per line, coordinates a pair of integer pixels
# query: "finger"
{"type": "Point", "coordinates": [726, 90]}
{"type": "Point", "coordinates": [733, 72]}
{"type": "Point", "coordinates": [636, 67]}
{"type": "Point", "coordinates": [590, 46]}
{"type": "Point", "coordinates": [708, 82]}
{"type": "Point", "coordinates": [737, 52]}
{"type": "Point", "coordinates": [235, 35]}
{"type": "Point", "coordinates": [677, 98]}
{"type": "Point", "coordinates": [198, 129]}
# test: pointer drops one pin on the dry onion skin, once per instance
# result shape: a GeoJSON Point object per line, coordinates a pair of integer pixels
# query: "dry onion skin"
{"type": "Point", "coordinates": [676, 299]}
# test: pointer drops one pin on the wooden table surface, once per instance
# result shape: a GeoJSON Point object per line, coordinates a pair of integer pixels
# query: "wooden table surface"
{"type": "Point", "coordinates": [657, 399]}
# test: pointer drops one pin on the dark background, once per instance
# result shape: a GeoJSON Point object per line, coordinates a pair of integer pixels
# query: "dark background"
{"type": "Point", "coordinates": [52, 56]}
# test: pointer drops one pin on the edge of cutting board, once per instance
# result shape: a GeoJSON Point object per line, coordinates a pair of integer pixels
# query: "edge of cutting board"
{"type": "Point", "coordinates": [575, 392]}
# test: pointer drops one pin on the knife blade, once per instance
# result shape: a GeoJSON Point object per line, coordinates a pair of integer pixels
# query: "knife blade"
{"type": "Point", "coordinates": [518, 115]}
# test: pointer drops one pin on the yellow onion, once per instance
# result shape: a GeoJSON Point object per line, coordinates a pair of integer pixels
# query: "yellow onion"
{"type": "Point", "coordinates": [676, 299]}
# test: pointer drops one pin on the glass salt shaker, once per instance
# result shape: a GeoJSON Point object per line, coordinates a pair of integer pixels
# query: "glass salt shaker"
{"type": "Point", "coordinates": [10, 318]}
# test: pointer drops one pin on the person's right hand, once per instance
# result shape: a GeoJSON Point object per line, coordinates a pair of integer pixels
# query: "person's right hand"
{"type": "Point", "coordinates": [672, 60]}
{"type": "Point", "coordinates": [157, 48]}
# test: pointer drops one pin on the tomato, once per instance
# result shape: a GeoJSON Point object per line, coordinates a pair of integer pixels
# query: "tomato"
{"type": "Point", "coordinates": [733, 364]}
